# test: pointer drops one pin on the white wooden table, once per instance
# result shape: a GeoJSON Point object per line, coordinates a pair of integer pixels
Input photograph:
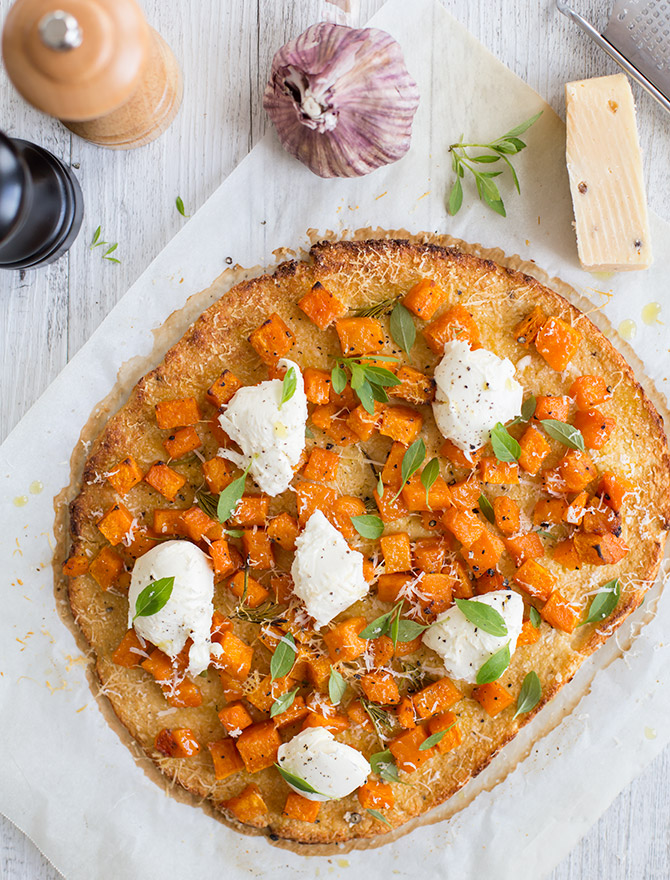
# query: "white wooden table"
{"type": "Point", "coordinates": [225, 48]}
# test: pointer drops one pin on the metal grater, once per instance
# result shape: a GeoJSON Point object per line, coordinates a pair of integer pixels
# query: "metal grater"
{"type": "Point", "coordinates": [637, 37]}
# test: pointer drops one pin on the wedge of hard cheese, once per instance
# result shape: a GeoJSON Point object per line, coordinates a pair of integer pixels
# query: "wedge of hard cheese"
{"type": "Point", "coordinates": [606, 180]}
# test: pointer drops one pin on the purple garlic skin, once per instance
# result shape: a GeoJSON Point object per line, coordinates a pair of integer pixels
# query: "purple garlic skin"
{"type": "Point", "coordinates": [342, 100]}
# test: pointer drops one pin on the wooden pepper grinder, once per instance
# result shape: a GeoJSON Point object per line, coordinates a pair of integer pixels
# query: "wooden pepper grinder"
{"type": "Point", "coordinates": [96, 65]}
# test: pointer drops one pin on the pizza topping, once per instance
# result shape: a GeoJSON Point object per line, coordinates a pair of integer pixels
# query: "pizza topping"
{"type": "Point", "coordinates": [465, 647]}
{"type": "Point", "coordinates": [188, 611]}
{"type": "Point", "coordinates": [327, 573]}
{"type": "Point", "coordinates": [270, 433]}
{"type": "Point", "coordinates": [327, 769]}
{"type": "Point", "coordinates": [475, 391]}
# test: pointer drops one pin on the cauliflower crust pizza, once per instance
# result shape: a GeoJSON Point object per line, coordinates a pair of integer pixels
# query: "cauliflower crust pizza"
{"type": "Point", "coordinates": [358, 528]}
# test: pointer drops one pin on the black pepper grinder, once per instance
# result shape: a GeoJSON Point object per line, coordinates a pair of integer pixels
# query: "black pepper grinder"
{"type": "Point", "coordinates": [41, 205]}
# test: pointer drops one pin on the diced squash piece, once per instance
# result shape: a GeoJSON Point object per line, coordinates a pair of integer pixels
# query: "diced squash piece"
{"type": "Point", "coordinates": [465, 494]}
{"type": "Point", "coordinates": [527, 329]}
{"type": "Point", "coordinates": [576, 470]}
{"type": "Point", "coordinates": [125, 475]}
{"type": "Point", "coordinates": [435, 594]}
{"type": "Point", "coordinates": [251, 511]}
{"type": "Point", "coordinates": [415, 387]}
{"type": "Point", "coordinates": [295, 712]}
{"type": "Point", "coordinates": [529, 634]}
{"type": "Point", "coordinates": [549, 511]}
{"type": "Point", "coordinates": [406, 752]}
{"type": "Point", "coordinates": [341, 434]}
{"type": "Point", "coordinates": [589, 391]}
{"type": "Point", "coordinates": [552, 408]}
{"type": "Point", "coordinates": [223, 559]}
{"type": "Point", "coordinates": [465, 526]}
{"type": "Point", "coordinates": [484, 553]}
{"type": "Point", "coordinates": [600, 520]}
{"type": "Point", "coordinates": [76, 565]}
{"type": "Point", "coordinates": [424, 299]}
{"type": "Point", "coordinates": [595, 427]}
{"type": "Point", "coordinates": [557, 342]}
{"type": "Point", "coordinates": [248, 806]}
{"type": "Point", "coordinates": [392, 470]}
{"type": "Point", "coordinates": [342, 510]}
{"type": "Point", "coordinates": [380, 651]}
{"type": "Point", "coordinates": [430, 554]}
{"type": "Point", "coordinates": [404, 649]}
{"type": "Point", "coordinates": [321, 306]}
{"type": "Point", "coordinates": [298, 807]}
{"type": "Point", "coordinates": [458, 456]}
{"type": "Point", "coordinates": [559, 613]}
{"type": "Point", "coordinates": [257, 548]}
{"type": "Point", "coordinates": [182, 694]}
{"type": "Point", "coordinates": [196, 524]}
{"type": "Point", "coordinates": [490, 581]}
{"type": "Point", "coordinates": [358, 716]}
{"type": "Point", "coordinates": [455, 323]}
{"type": "Point", "coordinates": [376, 796]}
{"type": "Point", "coordinates": [272, 340]}
{"type": "Point", "coordinates": [534, 449]}
{"type": "Point", "coordinates": [242, 584]}
{"type": "Point", "coordinates": [322, 465]}
{"type": "Point", "coordinates": [225, 757]}
{"type": "Point", "coordinates": [523, 547]}
{"type": "Point", "coordinates": [217, 473]}
{"type": "Point", "coordinates": [535, 580]}
{"type": "Point", "coordinates": [335, 723]}
{"type": "Point", "coordinates": [436, 697]}
{"type": "Point", "coordinates": [363, 423]}
{"type": "Point", "coordinates": [130, 651]}
{"type": "Point", "coordinates": [390, 585]}
{"type": "Point", "coordinates": [461, 587]}
{"type": "Point", "coordinates": [232, 689]}
{"type": "Point", "coordinates": [311, 497]}
{"type": "Point", "coordinates": [106, 568]}
{"type": "Point", "coordinates": [317, 385]}
{"type": "Point", "coordinates": [223, 390]}
{"type": "Point", "coordinates": [268, 690]}
{"type": "Point", "coordinates": [507, 514]}
{"type": "Point", "coordinates": [405, 713]}
{"type": "Point", "coordinates": [414, 494]}
{"type": "Point", "coordinates": [322, 416]}
{"type": "Point", "coordinates": [401, 423]}
{"type": "Point", "coordinates": [604, 549]}
{"type": "Point", "coordinates": [345, 399]}
{"type": "Point", "coordinates": [177, 743]}
{"type": "Point", "coordinates": [235, 717]}
{"type": "Point", "coordinates": [182, 442]}
{"type": "Point", "coordinates": [177, 413]}
{"type": "Point", "coordinates": [168, 522]}
{"type": "Point", "coordinates": [574, 513]}
{"type": "Point", "coordinates": [390, 508]}
{"type": "Point", "coordinates": [498, 473]}
{"type": "Point", "coordinates": [283, 530]}
{"type": "Point", "coordinates": [220, 624]}
{"type": "Point", "coordinates": [164, 480]}
{"type": "Point", "coordinates": [214, 426]}
{"type": "Point", "coordinates": [397, 551]}
{"type": "Point", "coordinates": [258, 746]}
{"type": "Point", "coordinates": [380, 687]}
{"type": "Point", "coordinates": [359, 336]}
{"type": "Point", "coordinates": [318, 669]}
{"type": "Point", "coordinates": [492, 697]}
{"type": "Point", "coordinates": [565, 554]}
{"type": "Point", "coordinates": [235, 656]}
{"type": "Point", "coordinates": [452, 738]}
{"type": "Point", "coordinates": [613, 490]}
{"type": "Point", "coordinates": [343, 642]}
{"type": "Point", "coordinates": [281, 586]}
{"type": "Point", "coordinates": [116, 523]}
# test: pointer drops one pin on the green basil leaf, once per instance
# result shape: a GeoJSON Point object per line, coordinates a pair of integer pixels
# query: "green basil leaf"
{"type": "Point", "coordinates": [529, 695]}
{"type": "Point", "coordinates": [296, 781]}
{"type": "Point", "coordinates": [380, 376]}
{"type": "Point", "coordinates": [180, 206]}
{"type": "Point", "coordinates": [153, 597]}
{"type": "Point", "coordinates": [366, 397]}
{"type": "Point", "coordinates": [336, 686]}
{"type": "Point", "coordinates": [455, 197]}
{"type": "Point", "coordinates": [568, 435]}
{"type": "Point", "coordinates": [486, 159]}
{"type": "Point", "coordinates": [408, 630]}
{"type": "Point", "coordinates": [379, 394]}
{"type": "Point", "coordinates": [368, 526]}
{"type": "Point", "coordinates": [395, 625]}
{"type": "Point", "coordinates": [524, 126]}
{"type": "Point", "coordinates": [486, 508]}
{"type": "Point", "coordinates": [528, 408]}
{"type": "Point", "coordinates": [377, 627]}
{"type": "Point", "coordinates": [429, 474]}
{"type": "Point", "coordinates": [234, 533]}
{"type": "Point", "coordinates": [383, 764]}
{"type": "Point", "coordinates": [505, 447]}
{"type": "Point", "coordinates": [378, 816]}
{"type": "Point", "coordinates": [281, 704]}
{"type": "Point", "coordinates": [230, 497]}
{"type": "Point", "coordinates": [412, 460]}
{"type": "Point", "coordinates": [288, 386]}
{"type": "Point", "coordinates": [535, 618]}
{"type": "Point", "coordinates": [435, 738]}
{"type": "Point", "coordinates": [380, 486]}
{"type": "Point", "coordinates": [483, 616]}
{"type": "Point", "coordinates": [357, 375]}
{"type": "Point", "coordinates": [403, 331]}
{"type": "Point", "coordinates": [494, 666]}
{"type": "Point", "coordinates": [604, 602]}
{"type": "Point", "coordinates": [338, 379]}
{"type": "Point", "coordinates": [283, 657]}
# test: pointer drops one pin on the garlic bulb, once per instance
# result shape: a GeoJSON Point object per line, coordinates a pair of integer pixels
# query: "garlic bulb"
{"type": "Point", "coordinates": [342, 100]}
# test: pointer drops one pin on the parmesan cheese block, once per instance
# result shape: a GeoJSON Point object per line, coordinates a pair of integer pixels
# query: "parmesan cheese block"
{"type": "Point", "coordinates": [606, 180]}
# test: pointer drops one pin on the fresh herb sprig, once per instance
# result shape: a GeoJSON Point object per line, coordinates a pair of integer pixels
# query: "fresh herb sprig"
{"type": "Point", "coordinates": [402, 327]}
{"type": "Point", "coordinates": [566, 434]}
{"type": "Point", "coordinates": [153, 597]}
{"type": "Point", "coordinates": [494, 666]}
{"type": "Point", "coordinates": [435, 738]}
{"type": "Point", "coordinates": [378, 816]}
{"type": "Point", "coordinates": [604, 602]}
{"type": "Point", "coordinates": [391, 624]}
{"type": "Point", "coordinates": [383, 764]}
{"type": "Point", "coordinates": [296, 781]}
{"type": "Point", "coordinates": [505, 447]}
{"type": "Point", "coordinates": [97, 241]}
{"type": "Point", "coordinates": [378, 309]}
{"type": "Point", "coordinates": [411, 462]}
{"type": "Point", "coordinates": [288, 386]}
{"type": "Point", "coordinates": [281, 704]}
{"type": "Point", "coordinates": [483, 616]}
{"type": "Point", "coordinates": [179, 202]}
{"type": "Point", "coordinates": [382, 721]}
{"type": "Point", "coordinates": [230, 497]}
{"type": "Point", "coordinates": [501, 149]}
{"type": "Point", "coordinates": [337, 686]}
{"type": "Point", "coordinates": [283, 657]}
{"type": "Point", "coordinates": [368, 380]}
{"type": "Point", "coordinates": [529, 695]}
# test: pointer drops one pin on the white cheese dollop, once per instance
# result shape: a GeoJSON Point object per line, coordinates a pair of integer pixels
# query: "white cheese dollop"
{"type": "Point", "coordinates": [475, 390]}
{"type": "Point", "coordinates": [327, 574]}
{"type": "Point", "coordinates": [271, 437]}
{"type": "Point", "coordinates": [331, 767]}
{"type": "Point", "coordinates": [463, 647]}
{"type": "Point", "coordinates": [188, 611]}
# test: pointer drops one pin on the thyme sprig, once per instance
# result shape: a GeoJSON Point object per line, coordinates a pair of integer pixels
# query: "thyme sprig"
{"type": "Point", "coordinates": [377, 310]}
{"type": "Point", "coordinates": [382, 720]}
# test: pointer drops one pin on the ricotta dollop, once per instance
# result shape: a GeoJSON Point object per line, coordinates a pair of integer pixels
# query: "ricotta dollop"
{"type": "Point", "coordinates": [475, 390]}
{"type": "Point", "coordinates": [463, 647]}
{"type": "Point", "coordinates": [188, 611]}
{"type": "Point", "coordinates": [327, 573]}
{"type": "Point", "coordinates": [270, 434]}
{"type": "Point", "coordinates": [333, 768]}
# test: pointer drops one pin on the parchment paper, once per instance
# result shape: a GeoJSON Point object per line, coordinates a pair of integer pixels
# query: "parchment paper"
{"type": "Point", "coordinates": [66, 778]}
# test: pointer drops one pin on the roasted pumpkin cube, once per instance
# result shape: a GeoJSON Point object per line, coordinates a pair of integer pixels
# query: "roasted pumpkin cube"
{"type": "Point", "coordinates": [484, 553]}
{"type": "Point", "coordinates": [258, 746]}
{"type": "Point", "coordinates": [535, 580]}
{"type": "Point", "coordinates": [318, 668]}
{"type": "Point", "coordinates": [130, 651]}
{"type": "Point", "coordinates": [317, 385]}
{"type": "Point", "coordinates": [492, 697]}
{"type": "Point", "coordinates": [248, 806]}
{"type": "Point", "coordinates": [311, 497]}
{"type": "Point", "coordinates": [295, 712]}
{"type": "Point", "coordinates": [223, 390]}
{"type": "Point", "coordinates": [549, 511]}
{"type": "Point", "coordinates": [455, 323]}
{"type": "Point", "coordinates": [600, 520]}
{"type": "Point", "coordinates": [458, 456]}
{"type": "Point", "coordinates": [435, 594]}
{"type": "Point", "coordinates": [283, 530]}
{"type": "Point", "coordinates": [218, 474]}
{"type": "Point", "coordinates": [116, 523]}
{"type": "Point", "coordinates": [414, 494]}
{"type": "Point", "coordinates": [406, 752]}
{"type": "Point", "coordinates": [490, 581]}
{"type": "Point", "coordinates": [574, 512]}
{"type": "Point", "coordinates": [465, 494]}
{"type": "Point", "coordinates": [565, 554]}
{"type": "Point", "coordinates": [534, 449]}
{"type": "Point", "coordinates": [363, 423]}
{"type": "Point", "coordinates": [272, 340]}
{"type": "Point", "coordinates": [168, 522]}
{"type": "Point", "coordinates": [507, 514]}
{"type": "Point", "coordinates": [322, 465]}
{"type": "Point", "coordinates": [559, 613]}
{"type": "Point", "coordinates": [464, 525]}
{"type": "Point", "coordinates": [341, 512]}
{"type": "Point", "coordinates": [300, 808]}
{"type": "Point", "coordinates": [523, 547]}
{"type": "Point", "coordinates": [405, 713]}
{"type": "Point", "coordinates": [425, 298]}
{"type": "Point", "coordinates": [595, 427]}
{"type": "Point", "coordinates": [177, 413]}
{"type": "Point", "coordinates": [341, 434]}
{"type": "Point", "coordinates": [453, 736]}
{"type": "Point", "coordinates": [257, 548]}
{"type": "Point", "coordinates": [529, 634]}
{"type": "Point", "coordinates": [125, 475]}
{"type": "Point", "coordinates": [234, 656]}
{"type": "Point", "coordinates": [343, 642]}
{"type": "Point", "coordinates": [527, 329]}
{"type": "Point", "coordinates": [392, 470]}
{"type": "Point", "coordinates": [222, 558]}
{"type": "Point", "coordinates": [322, 416]}
{"type": "Point", "coordinates": [197, 524]}
{"type": "Point", "coordinates": [179, 694]}
{"type": "Point", "coordinates": [177, 743]}
{"type": "Point", "coordinates": [380, 687]}
{"type": "Point", "coordinates": [380, 651]}
{"type": "Point", "coordinates": [589, 391]}
{"type": "Point", "coordinates": [390, 585]}
{"type": "Point", "coordinates": [390, 508]}
{"type": "Point", "coordinates": [268, 690]}
{"type": "Point", "coordinates": [498, 473]}
{"type": "Point", "coordinates": [430, 554]}
{"type": "Point", "coordinates": [552, 408]}
{"type": "Point", "coordinates": [242, 584]}
{"type": "Point", "coordinates": [401, 423]}
{"type": "Point", "coordinates": [604, 549]}
{"type": "Point", "coordinates": [436, 697]}
{"type": "Point", "coordinates": [397, 551]}
{"type": "Point", "coordinates": [225, 757]}
{"type": "Point", "coordinates": [182, 442]}
{"type": "Point", "coordinates": [220, 624]}
{"type": "Point", "coordinates": [232, 689]}
{"type": "Point", "coordinates": [335, 723]}
{"type": "Point", "coordinates": [358, 716]}
{"type": "Point", "coordinates": [576, 470]}
{"type": "Point", "coordinates": [76, 565]}
{"type": "Point", "coordinates": [321, 306]}
{"type": "Point", "coordinates": [360, 336]}
{"type": "Point", "coordinates": [557, 342]}
{"type": "Point", "coordinates": [164, 480]}
{"type": "Point", "coordinates": [613, 490]}
{"type": "Point", "coordinates": [251, 511]}
{"type": "Point", "coordinates": [376, 796]}
{"type": "Point", "coordinates": [415, 387]}
{"type": "Point", "coordinates": [106, 568]}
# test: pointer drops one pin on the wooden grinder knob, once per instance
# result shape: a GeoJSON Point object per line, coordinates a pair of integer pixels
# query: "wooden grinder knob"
{"type": "Point", "coordinates": [96, 65]}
